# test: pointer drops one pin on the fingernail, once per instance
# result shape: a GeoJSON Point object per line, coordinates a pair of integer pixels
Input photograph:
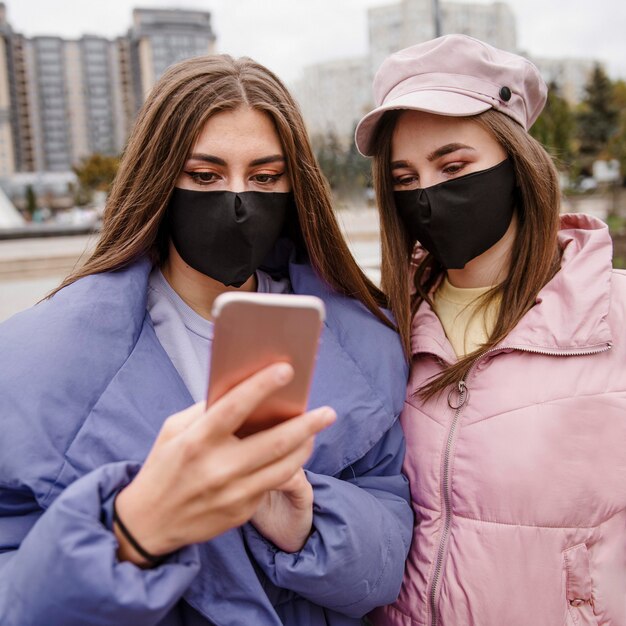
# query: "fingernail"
{"type": "Point", "coordinates": [283, 373]}
{"type": "Point", "coordinates": [329, 416]}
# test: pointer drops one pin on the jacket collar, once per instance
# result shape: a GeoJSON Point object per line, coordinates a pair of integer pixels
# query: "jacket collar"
{"type": "Point", "coordinates": [570, 311]}
{"type": "Point", "coordinates": [364, 384]}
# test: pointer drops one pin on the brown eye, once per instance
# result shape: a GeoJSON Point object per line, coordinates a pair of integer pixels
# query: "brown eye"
{"type": "Point", "coordinates": [405, 180]}
{"type": "Point", "coordinates": [267, 179]}
{"type": "Point", "coordinates": [201, 178]}
{"type": "Point", "coordinates": [453, 168]}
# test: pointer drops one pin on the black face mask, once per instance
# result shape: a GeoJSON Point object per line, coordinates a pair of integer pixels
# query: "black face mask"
{"type": "Point", "coordinates": [227, 235]}
{"type": "Point", "coordinates": [461, 218]}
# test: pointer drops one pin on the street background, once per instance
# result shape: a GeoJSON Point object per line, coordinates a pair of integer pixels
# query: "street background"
{"type": "Point", "coordinates": [31, 268]}
{"type": "Point", "coordinates": [73, 75]}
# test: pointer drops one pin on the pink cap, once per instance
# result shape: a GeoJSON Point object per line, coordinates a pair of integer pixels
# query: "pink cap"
{"type": "Point", "coordinates": [454, 75]}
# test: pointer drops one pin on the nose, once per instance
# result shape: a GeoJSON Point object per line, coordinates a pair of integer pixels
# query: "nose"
{"type": "Point", "coordinates": [237, 184]}
{"type": "Point", "coordinates": [429, 179]}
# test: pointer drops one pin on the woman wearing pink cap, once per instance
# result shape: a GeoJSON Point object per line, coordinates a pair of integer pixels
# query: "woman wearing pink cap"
{"type": "Point", "coordinates": [513, 318]}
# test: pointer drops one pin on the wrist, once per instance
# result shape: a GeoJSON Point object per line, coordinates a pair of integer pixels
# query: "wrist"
{"type": "Point", "coordinates": [138, 542]}
{"type": "Point", "coordinates": [125, 550]}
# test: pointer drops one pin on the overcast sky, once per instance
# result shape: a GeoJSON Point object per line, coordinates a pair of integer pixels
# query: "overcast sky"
{"type": "Point", "coordinates": [286, 35]}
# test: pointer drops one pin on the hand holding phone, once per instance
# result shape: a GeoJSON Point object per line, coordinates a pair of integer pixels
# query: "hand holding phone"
{"type": "Point", "coordinates": [198, 480]}
{"type": "Point", "coordinates": [253, 331]}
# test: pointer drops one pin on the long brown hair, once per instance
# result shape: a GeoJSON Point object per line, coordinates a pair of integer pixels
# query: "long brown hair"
{"type": "Point", "coordinates": [535, 252]}
{"type": "Point", "coordinates": [171, 119]}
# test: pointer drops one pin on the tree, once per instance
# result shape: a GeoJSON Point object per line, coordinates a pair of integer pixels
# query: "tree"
{"type": "Point", "coordinates": [617, 144]}
{"type": "Point", "coordinates": [96, 172]}
{"type": "Point", "coordinates": [358, 168]}
{"type": "Point", "coordinates": [555, 127]}
{"type": "Point", "coordinates": [347, 172]}
{"type": "Point", "coordinates": [31, 200]}
{"type": "Point", "coordinates": [597, 118]}
{"type": "Point", "coordinates": [330, 156]}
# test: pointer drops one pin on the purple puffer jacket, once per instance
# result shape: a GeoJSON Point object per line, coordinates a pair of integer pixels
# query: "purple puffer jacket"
{"type": "Point", "coordinates": [85, 386]}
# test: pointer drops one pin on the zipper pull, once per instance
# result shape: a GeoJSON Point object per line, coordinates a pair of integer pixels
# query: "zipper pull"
{"type": "Point", "coordinates": [463, 396]}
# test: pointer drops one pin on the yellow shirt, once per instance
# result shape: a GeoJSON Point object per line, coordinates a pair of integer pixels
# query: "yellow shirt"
{"type": "Point", "coordinates": [456, 309]}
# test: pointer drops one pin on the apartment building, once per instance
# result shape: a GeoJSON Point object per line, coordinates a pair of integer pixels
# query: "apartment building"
{"type": "Point", "coordinates": [161, 37]}
{"type": "Point", "coordinates": [571, 75]}
{"type": "Point", "coordinates": [62, 99]}
{"type": "Point", "coordinates": [334, 95]}
{"type": "Point", "coordinates": [396, 26]}
{"type": "Point", "coordinates": [7, 149]}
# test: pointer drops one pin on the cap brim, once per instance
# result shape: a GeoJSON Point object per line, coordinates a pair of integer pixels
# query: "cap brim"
{"type": "Point", "coordinates": [440, 102]}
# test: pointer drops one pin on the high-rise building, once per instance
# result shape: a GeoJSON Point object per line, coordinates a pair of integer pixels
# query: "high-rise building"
{"type": "Point", "coordinates": [161, 37]}
{"type": "Point", "coordinates": [396, 26]}
{"type": "Point", "coordinates": [20, 113]}
{"type": "Point", "coordinates": [52, 103]}
{"type": "Point", "coordinates": [493, 23]}
{"type": "Point", "coordinates": [570, 75]}
{"type": "Point", "coordinates": [99, 93]}
{"type": "Point", "coordinates": [62, 100]}
{"type": "Point", "coordinates": [7, 148]}
{"type": "Point", "coordinates": [334, 95]}
{"type": "Point", "coordinates": [126, 104]}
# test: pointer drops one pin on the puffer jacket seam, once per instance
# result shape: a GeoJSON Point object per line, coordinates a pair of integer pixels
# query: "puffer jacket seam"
{"type": "Point", "coordinates": [425, 351]}
{"type": "Point", "coordinates": [71, 440]}
{"type": "Point", "coordinates": [379, 403]}
{"type": "Point", "coordinates": [603, 394]}
{"type": "Point", "coordinates": [421, 412]}
{"type": "Point", "coordinates": [378, 580]}
{"type": "Point", "coordinates": [527, 525]}
{"type": "Point", "coordinates": [586, 395]}
{"type": "Point", "coordinates": [467, 424]}
{"type": "Point", "coordinates": [374, 387]}
{"type": "Point", "coordinates": [532, 347]}
{"type": "Point", "coordinates": [427, 508]}
{"type": "Point", "coordinates": [395, 608]}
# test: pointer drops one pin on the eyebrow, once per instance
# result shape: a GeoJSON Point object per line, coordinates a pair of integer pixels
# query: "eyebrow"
{"type": "Point", "coordinates": [447, 149]}
{"type": "Point", "coordinates": [435, 154]}
{"type": "Point", "coordinates": [209, 158]}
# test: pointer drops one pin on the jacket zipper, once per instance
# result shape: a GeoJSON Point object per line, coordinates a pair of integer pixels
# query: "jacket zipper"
{"type": "Point", "coordinates": [462, 399]}
{"type": "Point", "coordinates": [463, 395]}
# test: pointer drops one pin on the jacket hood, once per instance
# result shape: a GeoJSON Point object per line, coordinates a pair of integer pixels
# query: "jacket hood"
{"type": "Point", "coordinates": [570, 311]}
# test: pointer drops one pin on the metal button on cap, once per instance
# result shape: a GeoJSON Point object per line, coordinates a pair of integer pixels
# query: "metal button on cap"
{"type": "Point", "coordinates": [505, 93]}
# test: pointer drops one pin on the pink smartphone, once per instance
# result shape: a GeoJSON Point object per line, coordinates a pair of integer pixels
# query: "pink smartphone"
{"type": "Point", "coordinates": [253, 331]}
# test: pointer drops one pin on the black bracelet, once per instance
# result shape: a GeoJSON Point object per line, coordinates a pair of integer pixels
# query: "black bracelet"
{"type": "Point", "coordinates": [151, 558]}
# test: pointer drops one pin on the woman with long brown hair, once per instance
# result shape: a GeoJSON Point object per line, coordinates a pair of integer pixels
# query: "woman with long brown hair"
{"type": "Point", "coordinates": [122, 501]}
{"type": "Point", "coordinates": [512, 316]}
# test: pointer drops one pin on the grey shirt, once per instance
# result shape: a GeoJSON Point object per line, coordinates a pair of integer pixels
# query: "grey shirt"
{"type": "Point", "coordinates": [185, 335]}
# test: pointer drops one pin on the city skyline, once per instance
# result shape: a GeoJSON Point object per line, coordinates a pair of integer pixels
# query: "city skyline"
{"type": "Point", "coordinates": [75, 96]}
{"type": "Point", "coordinates": [62, 99]}
{"type": "Point", "coordinates": [274, 33]}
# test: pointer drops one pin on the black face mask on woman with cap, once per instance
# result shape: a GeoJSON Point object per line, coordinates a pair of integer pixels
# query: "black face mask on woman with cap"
{"type": "Point", "coordinates": [459, 219]}
{"type": "Point", "coordinates": [227, 235]}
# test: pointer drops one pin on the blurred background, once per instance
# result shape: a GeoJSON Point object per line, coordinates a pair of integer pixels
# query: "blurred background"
{"type": "Point", "coordinates": [73, 75]}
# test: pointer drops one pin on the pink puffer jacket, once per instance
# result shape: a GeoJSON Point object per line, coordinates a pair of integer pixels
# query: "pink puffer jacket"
{"type": "Point", "coordinates": [518, 478]}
